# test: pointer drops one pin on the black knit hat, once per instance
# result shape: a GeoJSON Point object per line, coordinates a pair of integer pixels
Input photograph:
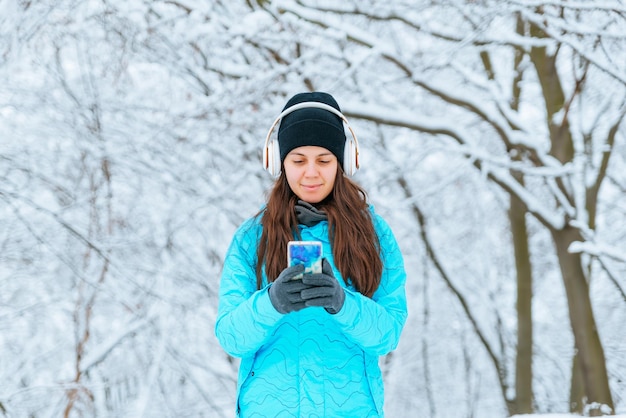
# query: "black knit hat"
{"type": "Point", "coordinates": [312, 126]}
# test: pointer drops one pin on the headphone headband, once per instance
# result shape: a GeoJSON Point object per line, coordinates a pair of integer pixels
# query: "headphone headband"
{"type": "Point", "coordinates": [302, 105]}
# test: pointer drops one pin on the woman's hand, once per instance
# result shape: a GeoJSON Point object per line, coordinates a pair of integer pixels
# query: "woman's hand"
{"type": "Point", "coordinates": [285, 292]}
{"type": "Point", "coordinates": [323, 289]}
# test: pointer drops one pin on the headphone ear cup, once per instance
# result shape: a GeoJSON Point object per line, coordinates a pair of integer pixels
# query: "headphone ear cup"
{"type": "Point", "coordinates": [350, 157]}
{"type": "Point", "coordinates": [273, 158]}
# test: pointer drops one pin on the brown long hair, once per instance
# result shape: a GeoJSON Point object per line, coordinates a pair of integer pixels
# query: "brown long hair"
{"type": "Point", "coordinates": [355, 244]}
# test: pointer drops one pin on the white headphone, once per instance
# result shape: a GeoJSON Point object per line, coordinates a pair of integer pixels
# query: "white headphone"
{"type": "Point", "coordinates": [271, 150]}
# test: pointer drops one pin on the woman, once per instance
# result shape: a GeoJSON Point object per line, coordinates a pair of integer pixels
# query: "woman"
{"type": "Point", "coordinates": [309, 347]}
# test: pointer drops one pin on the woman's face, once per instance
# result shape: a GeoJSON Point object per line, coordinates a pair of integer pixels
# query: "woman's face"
{"type": "Point", "coordinates": [311, 172]}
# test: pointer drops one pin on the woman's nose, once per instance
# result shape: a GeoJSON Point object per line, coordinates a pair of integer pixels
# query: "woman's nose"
{"type": "Point", "coordinates": [311, 169]}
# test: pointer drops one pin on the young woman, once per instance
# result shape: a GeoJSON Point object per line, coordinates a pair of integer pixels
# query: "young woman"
{"type": "Point", "coordinates": [310, 347]}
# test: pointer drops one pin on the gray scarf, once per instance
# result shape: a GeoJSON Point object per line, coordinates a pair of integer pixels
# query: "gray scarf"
{"type": "Point", "coordinates": [308, 214]}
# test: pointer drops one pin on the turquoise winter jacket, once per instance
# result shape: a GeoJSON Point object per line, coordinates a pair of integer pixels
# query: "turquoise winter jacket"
{"type": "Point", "coordinates": [309, 363]}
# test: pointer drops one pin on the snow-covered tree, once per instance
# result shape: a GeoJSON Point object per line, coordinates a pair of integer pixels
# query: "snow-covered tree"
{"type": "Point", "coordinates": [491, 138]}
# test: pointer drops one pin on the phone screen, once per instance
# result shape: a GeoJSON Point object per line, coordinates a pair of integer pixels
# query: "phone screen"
{"type": "Point", "coordinates": [308, 253]}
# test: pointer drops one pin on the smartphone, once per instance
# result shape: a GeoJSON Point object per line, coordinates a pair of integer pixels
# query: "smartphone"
{"type": "Point", "coordinates": [308, 253]}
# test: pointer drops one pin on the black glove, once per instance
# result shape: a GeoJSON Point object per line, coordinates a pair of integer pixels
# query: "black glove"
{"type": "Point", "coordinates": [324, 290]}
{"type": "Point", "coordinates": [285, 291]}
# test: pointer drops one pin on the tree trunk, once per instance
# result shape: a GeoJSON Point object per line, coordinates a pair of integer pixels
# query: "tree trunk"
{"type": "Point", "coordinates": [523, 364]}
{"type": "Point", "coordinates": [577, 389]}
{"type": "Point", "coordinates": [586, 339]}
{"type": "Point", "coordinates": [517, 217]}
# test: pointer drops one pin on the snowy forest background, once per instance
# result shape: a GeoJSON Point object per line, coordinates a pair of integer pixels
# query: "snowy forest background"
{"type": "Point", "coordinates": [492, 140]}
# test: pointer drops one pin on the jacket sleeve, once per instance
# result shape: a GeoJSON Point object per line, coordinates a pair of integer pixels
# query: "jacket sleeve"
{"type": "Point", "coordinates": [245, 315]}
{"type": "Point", "coordinates": [376, 324]}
